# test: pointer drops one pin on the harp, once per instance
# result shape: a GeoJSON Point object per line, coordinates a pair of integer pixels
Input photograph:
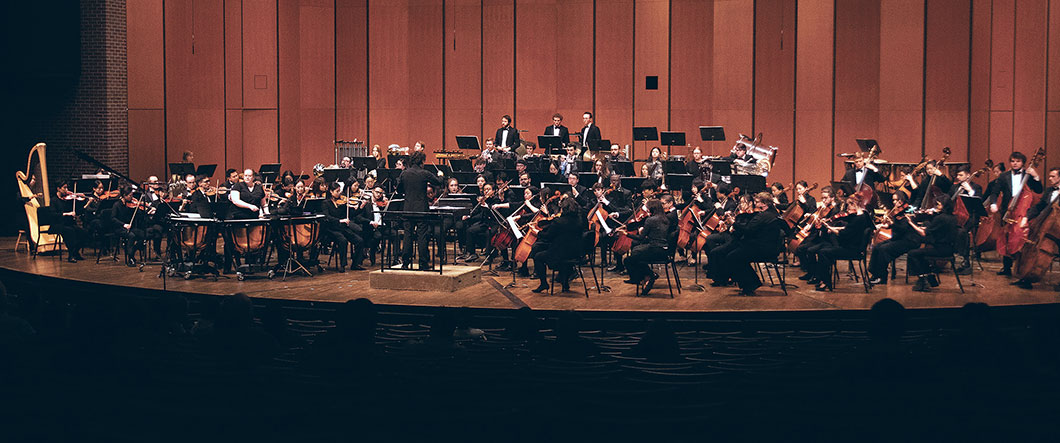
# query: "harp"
{"type": "Point", "coordinates": [33, 186]}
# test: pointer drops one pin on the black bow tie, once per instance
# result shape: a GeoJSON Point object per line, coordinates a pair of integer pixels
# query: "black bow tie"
{"type": "Point", "coordinates": [1017, 172]}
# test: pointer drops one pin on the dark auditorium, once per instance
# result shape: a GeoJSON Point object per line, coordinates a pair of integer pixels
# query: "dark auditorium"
{"type": "Point", "coordinates": [530, 220]}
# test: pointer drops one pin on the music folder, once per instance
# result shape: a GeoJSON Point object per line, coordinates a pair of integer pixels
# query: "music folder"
{"type": "Point", "coordinates": [645, 133]}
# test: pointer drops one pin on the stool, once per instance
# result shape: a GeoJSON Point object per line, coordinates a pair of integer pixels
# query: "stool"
{"type": "Point", "coordinates": [20, 241]}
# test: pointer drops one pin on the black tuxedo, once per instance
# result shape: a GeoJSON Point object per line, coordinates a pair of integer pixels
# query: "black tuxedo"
{"type": "Point", "coordinates": [871, 178]}
{"type": "Point", "coordinates": [1003, 188]}
{"type": "Point", "coordinates": [513, 138]}
{"type": "Point", "coordinates": [593, 135]}
{"type": "Point", "coordinates": [413, 184]}
{"type": "Point", "coordinates": [564, 134]}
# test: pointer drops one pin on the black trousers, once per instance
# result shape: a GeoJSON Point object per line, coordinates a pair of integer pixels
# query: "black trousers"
{"type": "Point", "coordinates": [884, 253]}
{"type": "Point", "coordinates": [420, 230]}
{"type": "Point", "coordinates": [547, 257]}
{"type": "Point", "coordinates": [343, 238]}
{"type": "Point", "coordinates": [827, 256]}
{"type": "Point", "coordinates": [807, 252]}
{"type": "Point", "coordinates": [736, 264]}
{"type": "Point", "coordinates": [476, 236]}
{"type": "Point", "coordinates": [639, 256]}
{"type": "Point", "coordinates": [920, 259]}
{"type": "Point", "coordinates": [718, 245]}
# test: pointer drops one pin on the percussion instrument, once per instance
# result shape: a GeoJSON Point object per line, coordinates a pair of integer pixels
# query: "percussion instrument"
{"type": "Point", "coordinates": [193, 236]}
{"type": "Point", "coordinates": [250, 238]}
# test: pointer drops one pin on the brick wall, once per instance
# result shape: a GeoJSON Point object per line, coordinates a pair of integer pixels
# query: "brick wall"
{"type": "Point", "coordinates": [95, 120]}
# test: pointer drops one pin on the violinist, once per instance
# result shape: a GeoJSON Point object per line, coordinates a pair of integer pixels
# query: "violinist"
{"type": "Point", "coordinates": [650, 243]}
{"type": "Point", "coordinates": [338, 227]}
{"type": "Point", "coordinates": [780, 196]}
{"type": "Point", "coordinates": [248, 197]}
{"type": "Point", "coordinates": [580, 193]}
{"type": "Point", "coordinates": [374, 229]}
{"type": "Point", "coordinates": [817, 238]}
{"type": "Point", "coordinates": [965, 187]}
{"type": "Point", "coordinates": [842, 237]}
{"type": "Point", "coordinates": [295, 206]}
{"type": "Point", "coordinates": [903, 239]}
{"type": "Point", "coordinates": [614, 200]}
{"type": "Point", "coordinates": [157, 212]}
{"type": "Point", "coordinates": [758, 238]}
{"type": "Point", "coordinates": [938, 241]}
{"type": "Point", "coordinates": [125, 219]}
{"type": "Point", "coordinates": [477, 224]}
{"type": "Point", "coordinates": [65, 222]}
{"type": "Point", "coordinates": [559, 241]}
{"type": "Point", "coordinates": [504, 207]}
{"type": "Point", "coordinates": [933, 176]}
{"type": "Point", "coordinates": [198, 202]}
{"type": "Point", "coordinates": [803, 197]}
{"type": "Point", "coordinates": [722, 242]}
{"type": "Point", "coordinates": [671, 213]}
{"type": "Point", "coordinates": [1009, 185]}
{"type": "Point", "coordinates": [1042, 209]}
{"type": "Point", "coordinates": [189, 184]}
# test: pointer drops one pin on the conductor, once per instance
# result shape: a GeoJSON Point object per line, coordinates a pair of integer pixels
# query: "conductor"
{"type": "Point", "coordinates": [413, 183]}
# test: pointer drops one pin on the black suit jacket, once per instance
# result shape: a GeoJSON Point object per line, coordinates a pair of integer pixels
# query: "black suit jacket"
{"type": "Point", "coordinates": [513, 137]}
{"type": "Point", "coordinates": [564, 134]}
{"type": "Point", "coordinates": [1003, 188]}
{"type": "Point", "coordinates": [871, 178]}
{"type": "Point", "coordinates": [594, 134]}
{"type": "Point", "coordinates": [1044, 204]}
{"type": "Point", "coordinates": [413, 184]}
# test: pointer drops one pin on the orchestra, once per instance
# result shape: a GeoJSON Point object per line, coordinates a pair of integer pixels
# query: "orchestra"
{"type": "Point", "coordinates": [533, 209]}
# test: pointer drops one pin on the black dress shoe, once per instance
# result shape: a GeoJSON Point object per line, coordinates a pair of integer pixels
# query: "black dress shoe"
{"type": "Point", "coordinates": [615, 268]}
{"type": "Point", "coordinates": [749, 292]}
{"type": "Point", "coordinates": [921, 285]}
{"type": "Point", "coordinates": [877, 281]}
{"type": "Point", "coordinates": [71, 259]}
{"type": "Point", "coordinates": [566, 288]}
{"type": "Point", "coordinates": [1023, 284]}
{"type": "Point", "coordinates": [720, 283]}
{"type": "Point", "coordinates": [356, 268]}
{"type": "Point", "coordinates": [426, 267]}
{"type": "Point", "coordinates": [630, 281]}
{"type": "Point", "coordinates": [806, 276]}
{"type": "Point", "coordinates": [648, 286]}
{"type": "Point", "coordinates": [813, 280]}
{"type": "Point", "coordinates": [933, 280]}
{"type": "Point", "coordinates": [822, 286]}
{"type": "Point", "coordinates": [1005, 271]}
{"type": "Point", "coordinates": [542, 288]}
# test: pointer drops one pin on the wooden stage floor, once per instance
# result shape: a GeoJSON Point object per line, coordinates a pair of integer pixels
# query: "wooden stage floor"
{"type": "Point", "coordinates": [983, 286]}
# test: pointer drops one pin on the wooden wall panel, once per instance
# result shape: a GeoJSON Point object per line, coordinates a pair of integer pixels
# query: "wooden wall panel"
{"type": "Point", "coordinates": [388, 72]}
{"type": "Point", "coordinates": [234, 156]}
{"type": "Point", "coordinates": [537, 70]}
{"type": "Point", "coordinates": [946, 78]}
{"type": "Point", "coordinates": [1029, 76]}
{"type": "Point", "coordinates": [498, 64]}
{"type": "Point", "coordinates": [195, 80]}
{"type": "Point", "coordinates": [463, 70]}
{"type": "Point", "coordinates": [691, 70]}
{"type": "Point", "coordinates": [979, 90]}
{"type": "Point", "coordinates": [814, 92]}
{"type": "Point", "coordinates": [574, 69]}
{"type": "Point", "coordinates": [1002, 65]}
{"type": "Point", "coordinates": [146, 144]}
{"type": "Point", "coordinates": [1053, 68]}
{"type": "Point", "coordinates": [733, 77]}
{"type": "Point", "coordinates": [307, 84]}
{"type": "Point", "coordinates": [857, 77]}
{"type": "Point", "coordinates": [351, 69]}
{"type": "Point", "coordinates": [425, 46]}
{"type": "Point", "coordinates": [775, 82]}
{"type": "Point", "coordinates": [901, 80]}
{"type": "Point", "coordinates": [260, 139]}
{"type": "Point", "coordinates": [651, 57]}
{"type": "Point", "coordinates": [614, 73]}
{"type": "Point", "coordinates": [260, 62]}
{"type": "Point", "coordinates": [145, 54]}
{"type": "Point", "coordinates": [233, 23]}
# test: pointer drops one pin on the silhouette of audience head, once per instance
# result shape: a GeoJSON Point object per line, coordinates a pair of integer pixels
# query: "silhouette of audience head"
{"type": "Point", "coordinates": [357, 319]}
{"type": "Point", "coordinates": [443, 324]}
{"type": "Point", "coordinates": [887, 320]}
{"type": "Point", "coordinates": [236, 312]}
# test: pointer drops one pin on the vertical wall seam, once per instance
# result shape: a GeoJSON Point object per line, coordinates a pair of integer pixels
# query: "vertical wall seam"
{"type": "Point", "coordinates": [795, 95]}
{"type": "Point", "coordinates": [923, 85]}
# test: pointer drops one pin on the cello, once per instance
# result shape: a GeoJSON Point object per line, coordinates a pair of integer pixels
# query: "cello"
{"type": "Point", "coordinates": [794, 213]}
{"type": "Point", "coordinates": [864, 193]}
{"type": "Point", "coordinates": [959, 210]}
{"type": "Point", "coordinates": [1012, 235]}
{"type": "Point", "coordinates": [526, 244]}
{"type": "Point", "coordinates": [1040, 248]}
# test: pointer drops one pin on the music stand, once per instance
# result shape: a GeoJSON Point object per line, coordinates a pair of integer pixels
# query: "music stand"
{"type": "Point", "coordinates": [643, 134]}
{"type": "Point", "coordinates": [587, 179]}
{"type": "Point", "coordinates": [469, 142]}
{"type": "Point", "coordinates": [674, 167]}
{"type": "Point", "coordinates": [678, 182]}
{"type": "Point", "coordinates": [461, 165]}
{"type": "Point", "coordinates": [363, 163]}
{"type": "Point", "coordinates": [600, 145]}
{"type": "Point", "coordinates": [748, 183]}
{"type": "Point", "coordinates": [337, 174]}
{"type": "Point", "coordinates": [205, 170]}
{"type": "Point", "coordinates": [181, 169]}
{"type": "Point", "coordinates": [711, 134]}
{"type": "Point", "coordinates": [633, 183]}
{"type": "Point", "coordinates": [392, 159]}
{"type": "Point", "coordinates": [269, 171]}
{"type": "Point", "coordinates": [563, 188]}
{"type": "Point", "coordinates": [624, 169]}
{"type": "Point", "coordinates": [671, 139]}
{"type": "Point", "coordinates": [865, 144]}
{"type": "Point", "coordinates": [721, 168]}
{"type": "Point", "coordinates": [550, 142]}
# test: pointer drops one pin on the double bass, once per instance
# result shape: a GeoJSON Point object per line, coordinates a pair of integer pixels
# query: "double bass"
{"type": "Point", "coordinates": [865, 194]}
{"type": "Point", "coordinates": [1040, 249]}
{"type": "Point", "coordinates": [932, 191]}
{"type": "Point", "coordinates": [1012, 235]}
